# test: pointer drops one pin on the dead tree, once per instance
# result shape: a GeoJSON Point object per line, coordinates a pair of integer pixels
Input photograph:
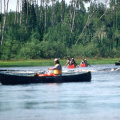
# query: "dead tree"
{"type": "Point", "coordinates": [87, 23]}
{"type": "Point", "coordinates": [88, 20]}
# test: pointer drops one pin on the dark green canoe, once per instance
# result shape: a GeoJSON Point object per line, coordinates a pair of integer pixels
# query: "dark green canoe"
{"type": "Point", "coordinates": [9, 79]}
{"type": "Point", "coordinates": [117, 63]}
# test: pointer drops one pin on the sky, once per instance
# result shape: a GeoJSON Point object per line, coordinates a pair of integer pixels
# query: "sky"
{"type": "Point", "coordinates": [12, 4]}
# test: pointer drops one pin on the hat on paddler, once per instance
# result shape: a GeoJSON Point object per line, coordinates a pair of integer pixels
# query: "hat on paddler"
{"type": "Point", "coordinates": [56, 59]}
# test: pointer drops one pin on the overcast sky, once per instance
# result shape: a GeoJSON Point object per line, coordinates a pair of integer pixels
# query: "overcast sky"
{"type": "Point", "coordinates": [12, 4]}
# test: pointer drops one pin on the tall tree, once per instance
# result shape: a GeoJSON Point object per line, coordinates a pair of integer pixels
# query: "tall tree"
{"type": "Point", "coordinates": [61, 11]}
{"type": "Point", "coordinates": [52, 22]}
{"type": "Point", "coordinates": [46, 6]}
{"type": "Point", "coordinates": [1, 16]}
{"type": "Point", "coordinates": [73, 20]}
{"type": "Point", "coordinates": [17, 12]}
{"type": "Point", "coordinates": [92, 10]}
{"type": "Point", "coordinates": [5, 17]}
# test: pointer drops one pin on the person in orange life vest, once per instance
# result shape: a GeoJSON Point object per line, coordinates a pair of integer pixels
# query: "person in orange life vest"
{"type": "Point", "coordinates": [57, 68]}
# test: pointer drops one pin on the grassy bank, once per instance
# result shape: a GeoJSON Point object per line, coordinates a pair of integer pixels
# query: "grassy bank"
{"type": "Point", "coordinates": [20, 63]}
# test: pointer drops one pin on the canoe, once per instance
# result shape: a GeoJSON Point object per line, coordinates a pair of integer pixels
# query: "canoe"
{"type": "Point", "coordinates": [71, 66]}
{"type": "Point", "coordinates": [10, 79]}
{"type": "Point", "coordinates": [83, 65]}
{"type": "Point", "coordinates": [117, 63]}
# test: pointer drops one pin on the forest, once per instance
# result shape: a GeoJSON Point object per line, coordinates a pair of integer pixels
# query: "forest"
{"type": "Point", "coordinates": [55, 29]}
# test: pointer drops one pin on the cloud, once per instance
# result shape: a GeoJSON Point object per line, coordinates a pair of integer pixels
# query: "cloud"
{"type": "Point", "coordinates": [11, 5]}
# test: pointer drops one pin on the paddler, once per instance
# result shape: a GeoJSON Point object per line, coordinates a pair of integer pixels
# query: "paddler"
{"type": "Point", "coordinates": [57, 68]}
{"type": "Point", "coordinates": [68, 61]}
{"type": "Point", "coordinates": [73, 62]}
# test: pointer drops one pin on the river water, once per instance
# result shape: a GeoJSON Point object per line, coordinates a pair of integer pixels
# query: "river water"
{"type": "Point", "coordinates": [95, 100]}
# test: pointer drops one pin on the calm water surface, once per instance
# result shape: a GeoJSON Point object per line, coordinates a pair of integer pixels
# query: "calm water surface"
{"type": "Point", "coordinates": [95, 100]}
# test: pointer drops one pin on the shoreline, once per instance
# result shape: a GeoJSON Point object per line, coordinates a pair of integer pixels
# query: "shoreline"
{"type": "Point", "coordinates": [49, 62]}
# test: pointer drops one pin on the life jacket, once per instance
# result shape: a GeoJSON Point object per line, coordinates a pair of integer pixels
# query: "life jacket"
{"type": "Point", "coordinates": [57, 72]}
{"type": "Point", "coordinates": [46, 74]}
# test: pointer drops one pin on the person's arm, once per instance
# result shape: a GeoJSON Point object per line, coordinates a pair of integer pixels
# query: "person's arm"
{"type": "Point", "coordinates": [51, 68]}
{"type": "Point", "coordinates": [55, 67]}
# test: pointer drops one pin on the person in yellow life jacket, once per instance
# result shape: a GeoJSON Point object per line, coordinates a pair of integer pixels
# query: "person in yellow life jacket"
{"type": "Point", "coordinates": [57, 68]}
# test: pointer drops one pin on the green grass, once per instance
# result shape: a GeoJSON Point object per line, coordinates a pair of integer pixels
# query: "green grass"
{"type": "Point", "coordinates": [20, 63]}
{"type": "Point", "coordinates": [103, 61]}
{"type": "Point", "coordinates": [46, 62]}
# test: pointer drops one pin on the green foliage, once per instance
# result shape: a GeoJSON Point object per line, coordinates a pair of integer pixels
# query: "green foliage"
{"type": "Point", "coordinates": [82, 51]}
{"type": "Point", "coordinates": [10, 49]}
{"type": "Point", "coordinates": [53, 49]}
{"type": "Point", "coordinates": [33, 35]}
{"type": "Point", "coordinates": [31, 50]}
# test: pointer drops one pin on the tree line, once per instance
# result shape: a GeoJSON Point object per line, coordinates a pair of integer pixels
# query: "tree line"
{"type": "Point", "coordinates": [56, 29]}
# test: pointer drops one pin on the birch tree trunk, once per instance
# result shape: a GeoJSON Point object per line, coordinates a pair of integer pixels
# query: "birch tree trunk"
{"type": "Point", "coordinates": [0, 6]}
{"type": "Point", "coordinates": [15, 15]}
{"type": "Point", "coordinates": [27, 13]}
{"type": "Point", "coordinates": [46, 2]}
{"type": "Point", "coordinates": [52, 13]}
{"type": "Point", "coordinates": [46, 16]}
{"type": "Point", "coordinates": [70, 13]}
{"type": "Point", "coordinates": [74, 15]}
{"type": "Point", "coordinates": [20, 12]}
{"type": "Point", "coordinates": [87, 22]}
{"type": "Point", "coordinates": [41, 11]}
{"type": "Point", "coordinates": [61, 11]}
{"type": "Point", "coordinates": [5, 17]}
{"type": "Point", "coordinates": [37, 9]}
{"type": "Point", "coordinates": [1, 15]}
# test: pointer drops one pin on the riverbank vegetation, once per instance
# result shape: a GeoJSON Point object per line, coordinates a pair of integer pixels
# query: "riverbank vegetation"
{"type": "Point", "coordinates": [55, 29]}
{"type": "Point", "coordinates": [49, 62]}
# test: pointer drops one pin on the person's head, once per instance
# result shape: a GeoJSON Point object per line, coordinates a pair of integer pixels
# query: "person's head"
{"type": "Point", "coordinates": [56, 61]}
{"type": "Point", "coordinates": [72, 59]}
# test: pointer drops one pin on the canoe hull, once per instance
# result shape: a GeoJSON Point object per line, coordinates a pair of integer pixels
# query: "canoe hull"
{"type": "Point", "coordinates": [7, 79]}
{"type": "Point", "coordinates": [117, 63]}
{"type": "Point", "coordinates": [71, 66]}
{"type": "Point", "coordinates": [83, 65]}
